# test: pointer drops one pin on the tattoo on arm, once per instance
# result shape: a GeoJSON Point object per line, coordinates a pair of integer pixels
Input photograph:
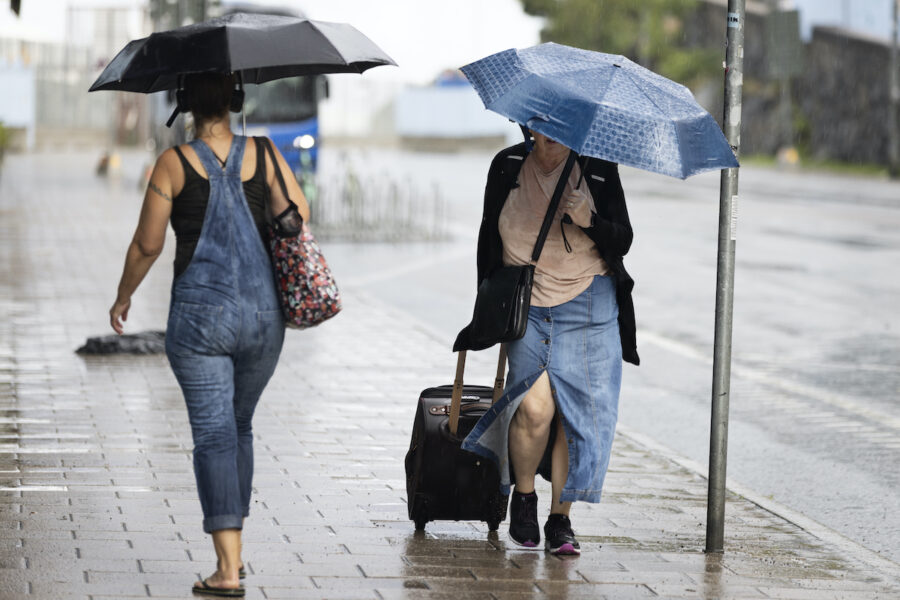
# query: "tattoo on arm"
{"type": "Point", "coordinates": [153, 187]}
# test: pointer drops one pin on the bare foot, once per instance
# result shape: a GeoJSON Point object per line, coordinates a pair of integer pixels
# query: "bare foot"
{"type": "Point", "coordinates": [218, 581]}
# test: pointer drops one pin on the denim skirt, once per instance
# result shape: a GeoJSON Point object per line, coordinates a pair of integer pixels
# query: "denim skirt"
{"type": "Point", "coordinates": [578, 344]}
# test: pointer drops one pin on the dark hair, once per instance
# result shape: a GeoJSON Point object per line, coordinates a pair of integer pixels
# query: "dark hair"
{"type": "Point", "coordinates": [208, 95]}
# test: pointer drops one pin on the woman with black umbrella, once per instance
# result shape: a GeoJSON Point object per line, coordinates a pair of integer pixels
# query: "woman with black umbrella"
{"type": "Point", "coordinates": [225, 327]}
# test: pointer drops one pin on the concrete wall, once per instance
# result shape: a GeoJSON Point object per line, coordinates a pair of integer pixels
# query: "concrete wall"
{"type": "Point", "coordinates": [844, 96]}
{"type": "Point", "coordinates": [840, 103]}
{"type": "Point", "coordinates": [759, 124]}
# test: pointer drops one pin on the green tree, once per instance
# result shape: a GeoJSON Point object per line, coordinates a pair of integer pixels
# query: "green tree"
{"type": "Point", "coordinates": [649, 32]}
{"type": "Point", "coordinates": [5, 137]}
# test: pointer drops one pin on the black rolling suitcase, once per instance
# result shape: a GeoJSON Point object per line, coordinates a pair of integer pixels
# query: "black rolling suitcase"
{"type": "Point", "coordinates": [444, 482]}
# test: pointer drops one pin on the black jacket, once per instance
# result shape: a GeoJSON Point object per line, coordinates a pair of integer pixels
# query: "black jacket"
{"type": "Point", "coordinates": [611, 231]}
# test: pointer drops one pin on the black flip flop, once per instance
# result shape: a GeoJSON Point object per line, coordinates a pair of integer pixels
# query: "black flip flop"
{"type": "Point", "coordinates": [209, 590]}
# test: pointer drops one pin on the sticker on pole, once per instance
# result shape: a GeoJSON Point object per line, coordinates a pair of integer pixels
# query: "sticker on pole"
{"type": "Point", "coordinates": [734, 20]}
{"type": "Point", "coordinates": [734, 217]}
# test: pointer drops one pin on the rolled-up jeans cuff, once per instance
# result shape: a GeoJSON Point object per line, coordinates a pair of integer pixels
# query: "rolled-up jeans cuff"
{"type": "Point", "coordinates": [222, 522]}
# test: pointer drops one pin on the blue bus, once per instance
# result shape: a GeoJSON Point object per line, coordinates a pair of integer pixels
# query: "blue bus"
{"type": "Point", "coordinates": [287, 111]}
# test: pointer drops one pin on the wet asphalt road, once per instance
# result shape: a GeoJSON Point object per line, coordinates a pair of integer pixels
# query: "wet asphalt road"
{"type": "Point", "coordinates": [816, 354]}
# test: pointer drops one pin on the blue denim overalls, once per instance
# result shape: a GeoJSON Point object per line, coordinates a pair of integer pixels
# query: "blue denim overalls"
{"type": "Point", "coordinates": [223, 340]}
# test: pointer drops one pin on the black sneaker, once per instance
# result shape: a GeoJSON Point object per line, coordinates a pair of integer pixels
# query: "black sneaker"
{"type": "Point", "coordinates": [560, 539]}
{"type": "Point", "coordinates": [523, 524]}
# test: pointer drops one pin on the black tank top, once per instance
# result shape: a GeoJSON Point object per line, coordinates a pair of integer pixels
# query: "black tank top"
{"type": "Point", "coordinates": [189, 206]}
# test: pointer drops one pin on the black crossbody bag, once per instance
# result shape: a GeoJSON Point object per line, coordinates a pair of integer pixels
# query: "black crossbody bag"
{"type": "Point", "coordinates": [504, 297]}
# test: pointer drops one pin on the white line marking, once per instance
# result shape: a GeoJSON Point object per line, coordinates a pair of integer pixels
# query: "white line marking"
{"type": "Point", "coordinates": [759, 376]}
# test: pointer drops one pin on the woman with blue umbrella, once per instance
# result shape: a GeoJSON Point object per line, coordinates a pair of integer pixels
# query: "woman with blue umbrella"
{"type": "Point", "coordinates": [558, 412]}
{"type": "Point", "coordinates": [561, 405]}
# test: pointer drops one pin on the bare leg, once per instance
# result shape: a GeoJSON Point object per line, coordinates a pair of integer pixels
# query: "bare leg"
{"type": "Point", "coordinates": [240, 550]}
{"type": "Point", "coordinates": [560, 469]}
{"type": "Point", "coordinates": [529, 432]}
{"type": "Point", "coordinates": [227, 543]}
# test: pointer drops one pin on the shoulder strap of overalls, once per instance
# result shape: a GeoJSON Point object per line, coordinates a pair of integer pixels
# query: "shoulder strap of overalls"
{"type": "Point", "coordinates": [211, 162]}
{"type": "Point", "coordinates": [235, 159]}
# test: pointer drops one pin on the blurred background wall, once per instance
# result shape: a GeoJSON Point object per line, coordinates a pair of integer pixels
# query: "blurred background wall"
{"type": "Point", "coordinates": [823, 90]}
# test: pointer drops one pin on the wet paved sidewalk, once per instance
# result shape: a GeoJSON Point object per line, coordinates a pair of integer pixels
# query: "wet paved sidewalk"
{"type": "Point", "coordinates": [97, 494]}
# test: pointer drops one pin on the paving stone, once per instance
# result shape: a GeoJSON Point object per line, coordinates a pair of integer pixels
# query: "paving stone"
{"type": "Point", "coordinates": [178, 565]}
{"type": "Point", "coordinates": [647, 577]}
{"type": "Point", "coordinates": [534, 571]}
{"type": "Point", "coordinates": [593, 590]}
{"type": "Point", "coordinates": [439, 595]}
{"type": "Point", "coordinates": [123, 589]}
{"type": "Point", "coordinates": [781, 593]}
{"type": "Point", "coordinates": [292, 593]}
{"type": "Point", "coordinates": [731, 592]}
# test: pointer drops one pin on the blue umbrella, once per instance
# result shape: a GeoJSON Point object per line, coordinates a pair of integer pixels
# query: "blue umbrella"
{"type": "Point", "coordinates": [603, 105]}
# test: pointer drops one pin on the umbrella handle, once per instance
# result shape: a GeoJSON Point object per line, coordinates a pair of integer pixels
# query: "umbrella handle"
{"type": "Point", "coordinates": [180, 102]}
{"type": "Point", "coordinates": [174, 115]}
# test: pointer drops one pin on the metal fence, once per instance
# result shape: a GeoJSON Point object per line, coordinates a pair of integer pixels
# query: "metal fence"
{"type": "Point", "coordinates": [377, 209]}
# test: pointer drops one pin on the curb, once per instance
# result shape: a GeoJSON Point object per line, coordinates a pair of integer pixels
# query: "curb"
{"type": "Point", "coordinates": [852, 549]}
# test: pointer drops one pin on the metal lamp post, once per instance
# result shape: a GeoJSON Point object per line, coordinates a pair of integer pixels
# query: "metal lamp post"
{"type": "Point", "coordinates": [728, 206]}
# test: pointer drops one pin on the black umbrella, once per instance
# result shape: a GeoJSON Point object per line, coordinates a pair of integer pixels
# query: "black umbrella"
{"type": "Point", "coordinates": [257, 47]}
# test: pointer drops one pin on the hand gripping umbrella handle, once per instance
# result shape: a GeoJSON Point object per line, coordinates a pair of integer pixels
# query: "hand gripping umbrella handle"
{"type": "Point", "coordinates": [554, 204]}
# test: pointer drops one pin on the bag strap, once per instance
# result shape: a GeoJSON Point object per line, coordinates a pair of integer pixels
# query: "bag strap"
{"type": "Point", "coordinates": [501, 374]}
{"type": "Point", "coordinates": [554, 204]}
{"type": "Point", "coordinates": [278, 174]}
{"type": "Point", "coordinates": [277, 168]}
{"type": "Point", "coordinates": [456, 397]}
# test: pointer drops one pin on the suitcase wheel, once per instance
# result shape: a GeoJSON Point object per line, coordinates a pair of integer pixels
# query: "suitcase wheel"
{"type": "Point", "coordinates": [493, 525]}
{"type": "Point", "coordinates": [420, 523]}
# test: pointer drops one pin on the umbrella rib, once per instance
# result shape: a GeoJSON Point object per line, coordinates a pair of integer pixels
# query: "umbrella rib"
{"type": "Point", "coordinates": [653, 102]}
{"type": "Point", "coordinates": [645, 94]}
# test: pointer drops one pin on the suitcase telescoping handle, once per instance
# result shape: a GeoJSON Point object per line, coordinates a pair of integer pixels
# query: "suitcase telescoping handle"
{"type": "Point", "coordinates": [456, 398]}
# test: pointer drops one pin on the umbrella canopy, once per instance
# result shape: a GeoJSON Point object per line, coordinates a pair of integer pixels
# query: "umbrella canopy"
{"type": "Point", "coordinates": [257, 46]}
{"type": "Point", "coordinates": [603, 105]}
